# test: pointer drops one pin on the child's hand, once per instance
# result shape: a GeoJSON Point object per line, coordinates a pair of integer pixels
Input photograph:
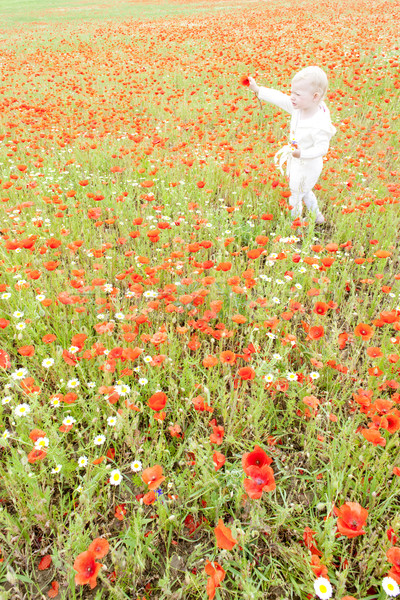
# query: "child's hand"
{"type": "Point", "coordinates": [253, 86]}
{"type": "Point", "coordinates": [296, 153]}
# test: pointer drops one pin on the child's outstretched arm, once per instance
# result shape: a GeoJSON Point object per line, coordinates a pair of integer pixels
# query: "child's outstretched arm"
{"type": "Point", "coordinates": [273, 96]}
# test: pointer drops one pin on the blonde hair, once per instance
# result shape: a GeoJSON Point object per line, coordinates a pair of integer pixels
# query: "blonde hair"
{"type": "Point", "coordinates": [317, 78]}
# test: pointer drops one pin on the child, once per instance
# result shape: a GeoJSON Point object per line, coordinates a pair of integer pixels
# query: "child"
{"type": "Point", "coordinates": [310, 132]}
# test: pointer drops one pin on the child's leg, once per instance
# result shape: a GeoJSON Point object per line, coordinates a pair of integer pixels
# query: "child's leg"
{"type": "Point", "coordinates": [296, 203]}
{"type": "Point", "coordinates": [311, 203]}
{"type": "Point", "coordinates": [305, 175]}
{"type": "Point", "coordinates": [296, 184]}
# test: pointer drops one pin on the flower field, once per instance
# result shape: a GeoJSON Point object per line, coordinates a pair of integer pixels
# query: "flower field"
{"type": "Point", "coordinates": [199, 398]}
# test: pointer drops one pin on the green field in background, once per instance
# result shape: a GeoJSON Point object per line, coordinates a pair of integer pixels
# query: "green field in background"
{"type": "Point", "coordinates": [19, 12]}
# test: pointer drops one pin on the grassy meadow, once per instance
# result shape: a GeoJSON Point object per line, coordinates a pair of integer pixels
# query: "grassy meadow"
{"type": "Point", "coordinates": [199, 398]}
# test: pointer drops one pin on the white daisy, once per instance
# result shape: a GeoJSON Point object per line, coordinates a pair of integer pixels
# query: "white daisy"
{"type": "Point", "coordinates": [268, 378]}
{"type": "Point", "coordinates": [91, 384]}
{"type": "Point", "coordinates": [42, 442]}
{"type": "Point", "coordinates": [5, 434]}
{"type": "Point", "coordinates": [99, 440]}
{"type": "Point", "coordinates": [56, 469]}
{"type": "Point", "coordinates": [291, 377]}
{"type": "Point", "coordinates": [69, 421]}
{"type": "Point", "coordinates": [40, 297]}
{"type": "Point", "coordinates": [6, 296]}
{"type": "Point", "coordinates": [82, 461]}
{"type": "Point", "coordinates": [73, 349]}
{"type": "Point", "coordinates": [73, 383]}
{"type": "Point", "coordinates": [18, 314]}
{"type": "Point", "coordinates": [115, 477]}
{"type": "Point", "coordinates": [147, 359]}
{"type": "Point", "coordinates": [143, 381]}
{"type": "Point", "coordinates": [122, 390]}
{"type": "Point", "coordinates": [314, 375]}
{"type": "Point", "coordinates": [47, 362]}
{"type": "Point", "coordinates": [20, 326]}
{"type": "Point", "coordinates": [6, 400]}
{"type": "Point", "coordinates": [22, 410]}
{"type": "Point", "coordinates": [323, 588]}
{"type": "Point", "coordinates": [55, 401]}
{"type": "Point", "coordinates": [136, 466]}
{"type": "Point", "coordinates": [111, 421]}
{"type": "Point", "coordinates": [119, 316]}
{"type": "Point", "coordinates": [390, 586]}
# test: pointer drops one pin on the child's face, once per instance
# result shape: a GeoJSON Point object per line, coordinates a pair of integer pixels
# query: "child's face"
{"type": "Point", "coordinates": [303, 95]}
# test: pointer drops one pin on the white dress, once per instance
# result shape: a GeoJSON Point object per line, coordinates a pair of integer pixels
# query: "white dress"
{"type": "Point", "coordinates": [311, 136]}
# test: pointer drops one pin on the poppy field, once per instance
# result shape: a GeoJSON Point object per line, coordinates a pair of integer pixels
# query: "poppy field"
{"type": "Point", "coordinates": [199, 397]}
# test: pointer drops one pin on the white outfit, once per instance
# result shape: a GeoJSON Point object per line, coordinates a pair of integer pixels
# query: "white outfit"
{"type": "Point", "coordinates": [312, 136]}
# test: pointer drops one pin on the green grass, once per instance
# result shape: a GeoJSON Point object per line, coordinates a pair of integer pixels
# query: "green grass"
{"type": "Point", "coordinates": [24, 12]}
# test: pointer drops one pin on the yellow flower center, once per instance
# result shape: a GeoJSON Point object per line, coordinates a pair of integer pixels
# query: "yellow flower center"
{"type": "Point", "coordinates": [323, 588]}
{"type": "Point", "coordinates": [390, 587]}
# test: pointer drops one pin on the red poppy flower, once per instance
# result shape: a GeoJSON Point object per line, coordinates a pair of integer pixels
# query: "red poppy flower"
{"type": "Point", "coordinates": [149, 498]}
{"type": "Point", "coordinates": [4, 360]}
{"type": "Point", "coordinates": [352, 518]}
{"type": "Point", "coordinates": [35, 455]}
{"type": "Point", "coordinates": [225, 540]}
{"type": "Point", "coordinates": [53, 591]}
{"type": "Point", "coordinates": [99, 547]}
{"type": "Point", "coordinates": [210, 361]}
{"type": "Point", "coordinates": [317, 567]}
{"type": "Point", "coordinates": [49, 338]}
{"type": "Point", "coordinates": [320, 308]}
{"type": "Point", "coordinates": [35, 434]}
{"type": "Point", "coordinates": [217, 435]}
{"type": "Point", "coordinates": [157, 401]}
{"type": "Point", "coordinates": [315, 333]}
{"type": "Point", "coordinates": [227, 357]}
{"type": "Point", "coordinates": [26, 350]}
{"type": "Point", "coordinates": [392, 421]}
{"type": "Point", "coordinates": [262, 480]}
{"type": "Point", "coordinates": [244, 80]}
{"type": "Point", "coordinates": [216, 576]}
{"type": "Point", "coordinates": [364, 331]}
{"type": "Point", "coordinates": [373, 436]}
{"type": "Point", "coordinates": [45, 562]}
{"type": "Point", "coordinates": [87, 569]}
{"type": "Point", "coordinates": [256, 458]}
{"type": "Point", "coordinates": [308, 539]}
{"type": "Point", "coordinates": [153, 476]}
{"type": "Point", "coordinates": [246, 373]}
{"type": "Point", "coordinates": [393, 556]}
{"type": "Point", "coordinates": [218, 460]}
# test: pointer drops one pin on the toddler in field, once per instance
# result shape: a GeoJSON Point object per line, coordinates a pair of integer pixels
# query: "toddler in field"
{"type": "Point", "coordinates": [310, 132]}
